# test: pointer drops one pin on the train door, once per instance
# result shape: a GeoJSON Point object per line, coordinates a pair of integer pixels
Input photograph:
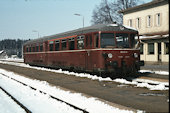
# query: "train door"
{"type": "Point", "coordinates": [88, 60]}
{"type": "Point", "coordinates": [88, 44]}
{"type": "Point", "coordinates": [82, 54]}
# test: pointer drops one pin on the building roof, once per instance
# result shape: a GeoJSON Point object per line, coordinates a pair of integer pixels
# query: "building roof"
{"type": "Point", "coordinates": [144, 6]}
{"type": "Point", "coordinates": [94, 28]}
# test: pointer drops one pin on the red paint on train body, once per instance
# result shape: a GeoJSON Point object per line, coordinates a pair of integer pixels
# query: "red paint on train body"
{"type": "Point", "coordinates": [103, 48]}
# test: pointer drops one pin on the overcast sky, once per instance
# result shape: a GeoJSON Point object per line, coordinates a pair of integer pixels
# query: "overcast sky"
{"type": "Point", "coordinates": [19, 18]}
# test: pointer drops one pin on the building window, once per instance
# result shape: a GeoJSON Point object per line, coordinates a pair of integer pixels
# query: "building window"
{"type": "Point", "coordinates": [150, 48]}
{"type": "Point", "coordinates": [138, 23]}
{"type": "Point", "coordinates": [141, 48]}
{"type": "Point", "coordinates": [166, 47]}
{"type": "Point", "coordinates": [149, 21]}
{"type": "Point", "coordinates": [158, 19]}
{"type": "Point", "coordinates": [51, 45]}
{"type": "Point", "coordinates": [130, 22]}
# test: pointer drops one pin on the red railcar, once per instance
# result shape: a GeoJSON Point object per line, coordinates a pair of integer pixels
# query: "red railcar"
{"type": "Point", "coordinates": [98, 48]}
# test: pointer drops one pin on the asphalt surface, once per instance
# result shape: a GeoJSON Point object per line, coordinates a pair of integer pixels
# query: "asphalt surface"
{"type": "Point", "coordinates": [127, 95]}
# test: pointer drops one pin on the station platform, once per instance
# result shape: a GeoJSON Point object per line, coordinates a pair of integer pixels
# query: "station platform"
{"type": "Point", "coordinates": [156, 66]}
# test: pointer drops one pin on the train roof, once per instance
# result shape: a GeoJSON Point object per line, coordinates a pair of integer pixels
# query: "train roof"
{"type": "Point", "coordinates": [93, 28]}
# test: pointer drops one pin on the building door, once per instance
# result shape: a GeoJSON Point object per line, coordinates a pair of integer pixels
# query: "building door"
{"type": "Point", "coordinates": [159, 52]}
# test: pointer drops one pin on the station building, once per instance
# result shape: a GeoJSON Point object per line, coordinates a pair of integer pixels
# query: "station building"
{"type": "Point", "coordinates": [152, 21]}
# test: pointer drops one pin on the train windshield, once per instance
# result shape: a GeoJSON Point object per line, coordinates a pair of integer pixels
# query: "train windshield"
{"type": "Point", "coordinates": [107, 40]}
{"type": "Point", "coordinates": [122, 40]}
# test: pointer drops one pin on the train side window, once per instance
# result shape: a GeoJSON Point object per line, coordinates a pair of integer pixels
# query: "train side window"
{"type": "Point", "coordinates": [87, 38]}
{"type": "Point", "coordinates": [46, 46]}
{"type": "Point", "coordinates": [57, 45]}
{"type": "Point", "coordinates": [64, 44]}
{"type": "Point", "coordinates": [80, 42]}
{"type": "Point", "coordinates": [71, 44]}
{"type": "Point", "coordinates": [41, 47]}
{"type": "Point", "coordinates": [33, 48]}
{"type": "Point", "coordinates": [51, 45]}
{"type": "Point", "coordinates": [90, 40]}
{"type": "Point", "coordinates": [37, 48]}
{"type": "Point", "coordinates": [29, 49]}
{"type": "Point", "coordinates": [96, 42]}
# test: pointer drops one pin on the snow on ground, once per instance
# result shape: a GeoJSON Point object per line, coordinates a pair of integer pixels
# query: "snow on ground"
{"type": "Point", "coordinates": [142, 71]}
{"type": "Point", "coordinates": [6, 102]}
{"type": "Point", "coordinates": [159, 86]}
{"type": "Point", "coordinates": [42, 103]}
{"type": "Point", "coordinates": [145, 83]}
{"type": "Point", "coordinates": [156, 72]}
{"type": "Point", "coordinates": [13, 59]}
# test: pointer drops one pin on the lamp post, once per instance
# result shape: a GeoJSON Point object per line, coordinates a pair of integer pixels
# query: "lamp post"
{"type": "Point", "coordinates": [37, 32]}
{"type": "Point", "coordinates": [82, 16]}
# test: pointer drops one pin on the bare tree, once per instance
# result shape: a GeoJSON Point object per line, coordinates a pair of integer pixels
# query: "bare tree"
{"type": "Point", "coordinates": [107, 12]}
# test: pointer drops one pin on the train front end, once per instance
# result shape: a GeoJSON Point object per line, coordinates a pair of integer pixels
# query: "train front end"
{"type": "Point", "coordinates": [121, 54]}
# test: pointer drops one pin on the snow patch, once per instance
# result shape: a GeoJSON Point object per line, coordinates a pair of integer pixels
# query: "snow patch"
{"type": "Point", "coordinates": [6, 102]}
{"type": "Point", "coordinates": [112, 25]}
{"type": "Point", "coordinates": [128, 27]}
{"type": "Point", "coordinates": [156, 72]}
{"type": "Point", "coordinates": [27, 96]}
{"type": "Point", "coordinates": [95, 77]}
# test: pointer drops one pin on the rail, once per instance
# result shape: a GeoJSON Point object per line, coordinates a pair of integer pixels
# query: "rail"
{"type": "Point", "coordinates": [14, 99]}
{"type": "Point", "coordinates": [75, 107]}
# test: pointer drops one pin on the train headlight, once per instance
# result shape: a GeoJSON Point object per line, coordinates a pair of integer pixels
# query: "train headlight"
{"type": "Point", "coordinates": [110, 55]}
{"type": "Point", "coordinates": [135, 55]}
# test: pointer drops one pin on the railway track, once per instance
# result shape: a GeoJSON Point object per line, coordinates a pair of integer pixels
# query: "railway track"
{"type": "Point", "coordinates": [26, 109]}
{"type": "Point", "coordinates": [15, 100]}
{"type": "Point", "coordinates": [145, 75]}
{"type": "Point", "coordinates": [90, 87]}
{"type": "Point", "coordinates": [151, 78]}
